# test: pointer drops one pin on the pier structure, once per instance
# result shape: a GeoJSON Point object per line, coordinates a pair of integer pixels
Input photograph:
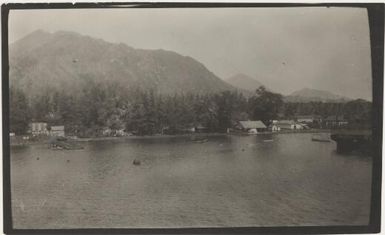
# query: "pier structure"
{"type": "Point", "coordinates": [351, 140]}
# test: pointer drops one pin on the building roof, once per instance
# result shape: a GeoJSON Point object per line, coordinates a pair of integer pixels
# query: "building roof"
{"type": "Point", "coordinates": [57, 128]}
{"type": "Point", "coordinates": [335, 118]}
{"type": "Point", "coordinates": [309, 117]}
{"type": "Point", "coordinates": [252, 124]}
{"type": "Point", "coordinates": [285, 122]}
{"type": "Point", "coordinates": [200, 126]}
{"type": "Point", "coordinates": [283, 125]}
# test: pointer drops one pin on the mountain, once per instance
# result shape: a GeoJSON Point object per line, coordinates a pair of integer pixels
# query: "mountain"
{"type": "Point", "coordinates": [68, 60]}
{"type": "Point", "coordinates": [244, 82]}
{"type": "Point", "coordinates": [309, 95]}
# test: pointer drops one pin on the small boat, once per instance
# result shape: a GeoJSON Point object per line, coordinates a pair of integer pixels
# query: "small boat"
{"type": "Point", "coordinates": [268, 140]}
{"type": "Point", "coordinates": [136, 162]}
{"type": "Point", "coordinates": [201, 141]}
{"type": "Point", "coordinates": [62, 143]}
{"type": "Point", "coordinates": [56, 147]}
{"type": "Point", "coordinates": [197, 139]}
{"type": "Point", "coordinates": [320, 138]}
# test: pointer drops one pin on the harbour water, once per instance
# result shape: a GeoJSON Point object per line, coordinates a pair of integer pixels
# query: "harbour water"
{"type": "Point", "coordinates": [230, 181]}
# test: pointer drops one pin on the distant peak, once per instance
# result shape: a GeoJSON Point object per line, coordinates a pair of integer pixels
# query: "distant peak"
{"type": "Point", "coordinates": [310, 90]}
{"type": "Point", "coordinates": [309, 94]}
{"type": "Point", "coordinates": [243, 81]}
{"type": "Point", "coordinates": [39, 31]}
{"type": "Point", "coordinates": [64, 32]}
{"type": "Point", "coordinates": [35, 37]}
{"type": "Point", "coordinates": [239, 76]}
{"type": "Point", "coordinates": [307, 89]}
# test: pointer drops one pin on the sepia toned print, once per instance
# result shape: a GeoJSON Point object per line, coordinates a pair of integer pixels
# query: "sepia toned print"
{"type": "Point", "coordinates": [190, 117]}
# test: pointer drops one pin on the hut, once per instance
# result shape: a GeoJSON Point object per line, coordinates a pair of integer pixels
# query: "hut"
{"type": "Point", "coordinates": [57, 131]}
{"type": "Point", "coordinates": [201, 129]}
{"type": "Point", "coordinates": [274, 127]}
{"type": "Point", "coordinates": [308, 119]}
{"type": "Point", "coordinates": [252, 127]}
{"type": "Point", "coordinates": [288, 125]}
{"type": "Point", "coordinates": [38, 128]}
{"type": "Point", "coordinates": [335, 121]}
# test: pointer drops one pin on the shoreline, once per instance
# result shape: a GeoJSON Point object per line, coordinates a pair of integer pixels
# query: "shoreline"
{"type": "Point", "coordinates": [204, 135]}
{"type": "Point", "coordinates": [88, 139]}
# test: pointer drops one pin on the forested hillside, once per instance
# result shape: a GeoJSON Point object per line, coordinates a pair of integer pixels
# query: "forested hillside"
{"type": "Point", "coordinates": [108, 105]}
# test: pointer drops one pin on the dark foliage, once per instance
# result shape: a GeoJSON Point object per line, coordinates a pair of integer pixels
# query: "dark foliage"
{"type": "Point", "coordinates": [265, 105]}
{"type": "Point", "coordinates": [107, 106]}
{"type": "Point", "coordinates": [19, 111]}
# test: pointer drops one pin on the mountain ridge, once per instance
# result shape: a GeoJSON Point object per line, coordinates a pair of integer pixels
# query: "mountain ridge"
{"type": "Point", "coordinates": [68, 60]}
{"type": "Point", "coordinates": [243, 81]}
{"type": "Point", "coordinates": [315, 95]}
{"type": "Point", "coordinates": [64, 59]}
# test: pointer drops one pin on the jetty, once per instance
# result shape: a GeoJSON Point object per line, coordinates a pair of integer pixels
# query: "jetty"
{"type": "Point", "coordinates": [349, 140]}
{"type": "Point", "coordinates": [320, 137]}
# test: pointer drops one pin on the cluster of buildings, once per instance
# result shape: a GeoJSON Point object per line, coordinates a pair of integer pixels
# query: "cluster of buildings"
{"type": "Point", "coordinates": [247, 126]}
{"type": "Point", "coordinates": [332, 121]}
{"type": "Point", "coordinates": [42, 128]}
{"type": "Point", "coordinates": [115, 133]}
{"type": "Point", "coordinates": [300, 123]}
{"type": "Point", "coordinates": [253, 127]}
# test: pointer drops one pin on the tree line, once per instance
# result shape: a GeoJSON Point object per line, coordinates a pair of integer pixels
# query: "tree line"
{"type": "Point", "coordinates": [106, 105]}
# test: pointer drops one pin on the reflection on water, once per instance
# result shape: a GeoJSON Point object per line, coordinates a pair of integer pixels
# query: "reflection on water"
{"type": "Point", "coordinates": [276, 180]}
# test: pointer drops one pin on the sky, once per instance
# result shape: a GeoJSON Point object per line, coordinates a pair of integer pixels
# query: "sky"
{"type": "Point", "coordinates": [286, 49]}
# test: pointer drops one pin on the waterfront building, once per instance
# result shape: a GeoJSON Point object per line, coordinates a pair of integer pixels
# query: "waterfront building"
{"type": "Point", "coordinates": [335, 121]}
{"type": "Point", "coordinates": [57, 131]}
{"type": "Point", "coordinates": [252, 126]}
{"type": "Point", "coordinates": [309, 119]}
{"type": "Point", "coordinates": [289, 125]}
{"type": "Point", "coordinates": [274, 127]}
{"type": "Point", "coordinates": [38, 128]}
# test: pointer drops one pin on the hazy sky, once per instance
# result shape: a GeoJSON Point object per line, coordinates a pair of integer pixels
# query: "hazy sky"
{"type": "Point", "coordinates": [284, 48]}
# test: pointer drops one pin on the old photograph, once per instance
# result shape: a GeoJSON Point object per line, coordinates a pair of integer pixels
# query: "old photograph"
{"type": "Point", "coordinates": [190, 117]}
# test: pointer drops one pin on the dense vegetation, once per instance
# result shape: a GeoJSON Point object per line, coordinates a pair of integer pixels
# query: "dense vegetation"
{"type": "Point", "coordinates": [106, 105]}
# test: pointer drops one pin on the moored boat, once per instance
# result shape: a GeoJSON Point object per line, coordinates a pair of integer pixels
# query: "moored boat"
{"type": "Point", "coordinates": [62, 143]}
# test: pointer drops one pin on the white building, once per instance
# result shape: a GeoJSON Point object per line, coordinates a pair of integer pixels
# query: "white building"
{"type": "Point", "coordinates": [38, 128]}
{"type": "Point", "coordinates": [274, 127]}
{"type": "Point", "coordinates": [57, 131]}
{"type": "Point", "coordinates": [252, 127]}
{"type": "Point", "coordinates": [289, 125]}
